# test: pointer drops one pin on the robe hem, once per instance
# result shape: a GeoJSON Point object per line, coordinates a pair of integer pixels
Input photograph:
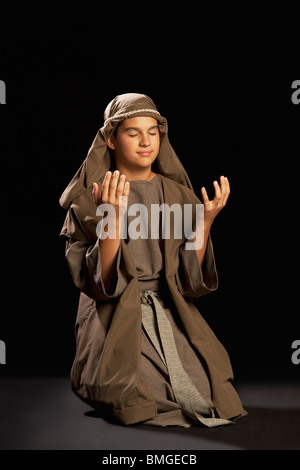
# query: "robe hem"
{"type": "Point", "coordinates": [136, 413]}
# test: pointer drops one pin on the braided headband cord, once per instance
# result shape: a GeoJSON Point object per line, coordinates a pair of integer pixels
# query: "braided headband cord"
{"type": "Point", "coordinates": [130, 113]}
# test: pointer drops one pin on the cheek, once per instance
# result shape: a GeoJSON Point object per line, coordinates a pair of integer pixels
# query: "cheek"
{"type": "Point", "coordinates": [126, 147]}
{"type": "Point", "coordinates": [157, 144]}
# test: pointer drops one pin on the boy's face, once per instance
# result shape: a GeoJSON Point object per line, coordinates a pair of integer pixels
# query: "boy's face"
{"type": "Point", "coordinates": [136, 144]}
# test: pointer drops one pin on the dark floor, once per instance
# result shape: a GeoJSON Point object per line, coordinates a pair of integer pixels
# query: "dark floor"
{"type": "Point", "coordinates": [43, 413]}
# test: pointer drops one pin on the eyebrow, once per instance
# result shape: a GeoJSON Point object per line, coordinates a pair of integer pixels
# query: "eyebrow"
{"type": "Point", "coordinates": [138, 129]}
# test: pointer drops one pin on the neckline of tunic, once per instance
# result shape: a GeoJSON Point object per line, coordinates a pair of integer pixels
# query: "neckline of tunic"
{"type": "Point", "coordinates": [143, 181]}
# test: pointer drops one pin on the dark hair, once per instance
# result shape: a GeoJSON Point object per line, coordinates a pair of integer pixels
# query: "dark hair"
{"type": "Point", "coordinates": [112, 157]}
{"type": "Point", "coordinates": [115, 132]}
{"type": "Point", "coordinates": [112, 160]}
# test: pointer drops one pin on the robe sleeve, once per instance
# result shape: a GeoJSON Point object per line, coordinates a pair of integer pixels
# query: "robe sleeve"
{"type": "Point", "coordinates": [84, 260]}
{"type": "Point", "coordinates": [85, 266]}
{"type": "Point", "coordinates": [192, 279]}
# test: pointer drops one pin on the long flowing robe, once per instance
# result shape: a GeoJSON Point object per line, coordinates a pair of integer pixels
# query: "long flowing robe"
{"type": "Point", "coordinates": [116, 368]}
{"type": "Point", "coordinates": [114, 358]}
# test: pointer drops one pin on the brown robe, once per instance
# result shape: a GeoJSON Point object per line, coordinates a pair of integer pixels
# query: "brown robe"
{"type": "Point", "coordinates": [114, 367]}
{"type": "Point", "coordinates": [148, 257]}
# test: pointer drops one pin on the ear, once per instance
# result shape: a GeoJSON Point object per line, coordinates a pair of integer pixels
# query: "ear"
{"type": "Point", "coordinates": [111, 143]}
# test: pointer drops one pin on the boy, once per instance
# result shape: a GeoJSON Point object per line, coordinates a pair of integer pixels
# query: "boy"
{"type": "Point", "coordinates": [144, 353]}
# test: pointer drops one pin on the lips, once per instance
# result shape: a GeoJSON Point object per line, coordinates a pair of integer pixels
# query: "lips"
{"type": "Point", "coordinates": [145, 154]}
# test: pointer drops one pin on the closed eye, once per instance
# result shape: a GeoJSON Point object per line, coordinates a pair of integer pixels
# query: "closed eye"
{"type": "Point", "coordinates": [150, 133]}
{"type": "Point", "coordinates": [134, 132]}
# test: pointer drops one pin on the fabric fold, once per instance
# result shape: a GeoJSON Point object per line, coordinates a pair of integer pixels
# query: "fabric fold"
{"type": "Point", "coordinates": [192, 279]}
{"type": "Point", "coordinates": [160, 332]}
{"type": "Point", "coordinates": [85, 266]}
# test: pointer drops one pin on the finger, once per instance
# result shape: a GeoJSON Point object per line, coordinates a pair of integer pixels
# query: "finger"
{"type": "Point", "coordinates": [126, 189]}
{"type": "Point", "coordinates": [121, 185]}
{"type": "Point", "coordinates": [223, 185]}
{"type": "Point", "coordinates": [227, 189]}
{"type": "Point", "coordinates": [105, 186]}
{"type": "Point", "coordinates": [113, 185]}
{"type": "Point", "coordinates": [228, 184]}
{"type": "Point", "coordinates": [218, 193]}
{"type": "Point", "coordinates": [204, 195]}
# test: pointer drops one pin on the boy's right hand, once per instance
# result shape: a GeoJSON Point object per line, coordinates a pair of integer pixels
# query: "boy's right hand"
{"type": "Point", "coordinates": [112, 188]}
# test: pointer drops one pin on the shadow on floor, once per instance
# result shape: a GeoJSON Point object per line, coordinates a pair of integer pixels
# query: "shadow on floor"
{"type": "Point", "coordinates": [41, 413]}
{"type": "Point", "coordinates": [261, 429]}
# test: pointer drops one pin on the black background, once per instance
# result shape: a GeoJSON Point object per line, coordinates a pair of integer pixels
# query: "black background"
{"type": "Point", "coordinates": [225, 89]}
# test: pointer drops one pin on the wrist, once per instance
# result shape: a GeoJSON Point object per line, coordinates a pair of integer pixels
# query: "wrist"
{"type": "Point", "coordinates": [207, 224]}
{"type": "Point", "coordinates": [108, 229]}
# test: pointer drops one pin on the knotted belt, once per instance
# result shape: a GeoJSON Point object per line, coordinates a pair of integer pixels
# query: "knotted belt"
{"type": "Point", "coordinates": [159, 330]}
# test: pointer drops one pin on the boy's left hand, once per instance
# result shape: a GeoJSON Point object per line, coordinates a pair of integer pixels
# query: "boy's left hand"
{"type": "Point", "coordinates": [212, 208]}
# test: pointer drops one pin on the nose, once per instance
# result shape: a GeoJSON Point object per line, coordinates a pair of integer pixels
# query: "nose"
{"type": "Point", "coordinates": [145, 140]}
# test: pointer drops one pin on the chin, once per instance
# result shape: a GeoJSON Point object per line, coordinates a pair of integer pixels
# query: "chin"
{"type": "Point", "coordinates": [144, 162]}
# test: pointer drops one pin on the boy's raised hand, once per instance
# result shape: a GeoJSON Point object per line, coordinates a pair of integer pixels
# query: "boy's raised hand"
{"type": "Point", "coordinates": [112, 188]}
{"type": "Point", "coordinates": [213, 207]}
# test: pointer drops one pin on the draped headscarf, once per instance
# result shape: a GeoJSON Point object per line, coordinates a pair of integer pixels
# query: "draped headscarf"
{"type": "Point", "coordinates": [98, 160]}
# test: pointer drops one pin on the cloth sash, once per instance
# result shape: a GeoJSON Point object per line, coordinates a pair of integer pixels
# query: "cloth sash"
{"type": "Point", "coordinates": [159, 331]}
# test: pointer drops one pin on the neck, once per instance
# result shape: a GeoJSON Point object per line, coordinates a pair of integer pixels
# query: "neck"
{"type": "Point", "coordinates": [141, 174]}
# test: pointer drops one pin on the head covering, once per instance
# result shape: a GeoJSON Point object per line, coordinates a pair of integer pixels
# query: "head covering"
{"type": "Point", "coordinates": [98, 160]}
